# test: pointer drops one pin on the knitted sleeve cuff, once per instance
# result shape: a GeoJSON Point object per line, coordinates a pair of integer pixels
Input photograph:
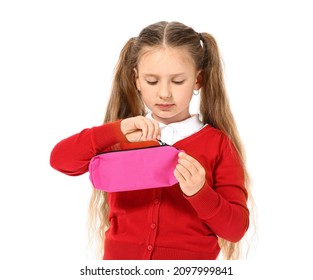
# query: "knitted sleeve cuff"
{"type": "Point", "coordinates": [107, 135]}
{"type": "Point", "coordinates": [206, 202]}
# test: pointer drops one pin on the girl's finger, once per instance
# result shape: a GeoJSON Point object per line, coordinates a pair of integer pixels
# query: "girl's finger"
{"type": "Point", "coordinates": [142, 125]}
{"type": "Point", "coordinates": [177, 173]}
{"type": "Point", "coordinates": [188, 166]}
{"type": "Point", "coordinates": [151, 128]}
{"type": "Point", "coordinates": [189, 161]}
{"type": "Point", "coordinates": [184, 172]}
{"type": "Point", "coordinates": [157, 130]}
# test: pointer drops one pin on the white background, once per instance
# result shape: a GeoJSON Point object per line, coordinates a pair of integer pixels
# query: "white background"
{"type": "Point", "coordinates": [56, 65]}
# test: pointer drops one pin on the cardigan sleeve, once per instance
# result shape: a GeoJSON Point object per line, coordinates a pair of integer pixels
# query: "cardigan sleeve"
{"type": "Point", "coordinates": [73, 154]}
{"type": "Point", "coordinates": [222, 205]}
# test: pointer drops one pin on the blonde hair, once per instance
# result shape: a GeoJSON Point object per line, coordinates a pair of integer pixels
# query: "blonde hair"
{"type": "Point", "coordinates": [125, 102]}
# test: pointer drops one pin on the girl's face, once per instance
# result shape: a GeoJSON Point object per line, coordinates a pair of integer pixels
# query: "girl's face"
{"type": "Point", "coordinates": [166, 79]}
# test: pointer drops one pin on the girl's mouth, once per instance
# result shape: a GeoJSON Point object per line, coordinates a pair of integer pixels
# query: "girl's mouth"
{"type": "Point", "coordinates": [165, 107]}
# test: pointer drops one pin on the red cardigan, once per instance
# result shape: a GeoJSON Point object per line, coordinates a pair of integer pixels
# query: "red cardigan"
{"type": "Point", "coordinates": [163, 223]}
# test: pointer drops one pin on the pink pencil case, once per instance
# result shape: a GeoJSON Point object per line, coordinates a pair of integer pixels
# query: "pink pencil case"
{"type": "Point", "coordinates": [135, 169]}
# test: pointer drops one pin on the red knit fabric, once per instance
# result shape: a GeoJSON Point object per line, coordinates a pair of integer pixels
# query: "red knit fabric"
{"type": "Point", "coordinates": [163, 223]}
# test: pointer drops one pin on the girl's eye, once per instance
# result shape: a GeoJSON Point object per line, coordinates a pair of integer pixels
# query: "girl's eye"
{"type": "Point", "coordinates": [178, 82]}
{"type": "Point", "coordinates": [152, 82]}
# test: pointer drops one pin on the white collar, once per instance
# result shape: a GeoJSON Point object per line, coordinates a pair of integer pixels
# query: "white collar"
{"type": "Point", "coordinates": [179, 130]}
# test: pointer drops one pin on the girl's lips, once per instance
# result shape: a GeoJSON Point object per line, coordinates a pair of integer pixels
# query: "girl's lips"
{"type": "Point", "coordinates": [164, 107]}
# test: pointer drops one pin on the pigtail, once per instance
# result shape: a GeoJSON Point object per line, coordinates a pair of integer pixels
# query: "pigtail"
{"type": "Point", "coordinates": [215, 110]}
{"type": "Point", "coordinates": [214, 106]}
{"type": "Point", "coordinates": [124, 101]}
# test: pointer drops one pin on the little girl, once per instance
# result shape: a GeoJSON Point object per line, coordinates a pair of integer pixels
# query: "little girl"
{"type": "Point", "coordinates": [161, 70]}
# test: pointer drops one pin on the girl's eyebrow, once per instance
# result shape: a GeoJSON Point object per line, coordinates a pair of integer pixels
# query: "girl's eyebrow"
{"type": "Point", "coordinates": [156, 76]}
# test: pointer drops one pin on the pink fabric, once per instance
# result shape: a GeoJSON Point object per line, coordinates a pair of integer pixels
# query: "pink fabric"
{"type": "Point", "coordinates": [137, 169]}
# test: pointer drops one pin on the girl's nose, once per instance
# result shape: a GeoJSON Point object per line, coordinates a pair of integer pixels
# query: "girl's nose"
{"type": "Point", "coordinates": [165, 92]}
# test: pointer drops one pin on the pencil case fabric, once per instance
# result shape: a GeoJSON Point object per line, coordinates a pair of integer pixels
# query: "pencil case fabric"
{"type": "Point", "coordinates": [135, 169]}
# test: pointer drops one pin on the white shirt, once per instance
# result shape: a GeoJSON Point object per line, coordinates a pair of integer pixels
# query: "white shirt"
{"type": "Point", "coordinates": [174, 132]}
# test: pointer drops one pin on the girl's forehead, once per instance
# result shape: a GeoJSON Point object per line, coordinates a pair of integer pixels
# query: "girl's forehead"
{"type": "Point", "coordinates": [179, 56]}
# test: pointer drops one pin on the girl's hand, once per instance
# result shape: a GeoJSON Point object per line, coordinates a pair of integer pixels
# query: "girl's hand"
{"type": "Point", "coordinates": [190, 174]}
{"type": "Point", "coordinates": [139, 129]}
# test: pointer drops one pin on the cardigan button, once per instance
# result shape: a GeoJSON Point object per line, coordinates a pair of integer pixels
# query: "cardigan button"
{"type": "Point", "coordinates": [153, 226]}
{"type": "Point", "coordinates": [150, 247]}
{"type": "Point", "coordinates": [156, 201]}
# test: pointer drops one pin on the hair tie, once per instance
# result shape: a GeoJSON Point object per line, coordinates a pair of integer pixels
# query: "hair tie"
{"type": "Point", "coordinates": [204, 46]}
{"type": "Point", "coordinates": [201, 40]}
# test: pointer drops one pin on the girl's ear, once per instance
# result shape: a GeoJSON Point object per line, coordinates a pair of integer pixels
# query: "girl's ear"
{"type": "Point", "coordinates": [199, 80]}
{"type": "Point", "coordinates": [137, 79]}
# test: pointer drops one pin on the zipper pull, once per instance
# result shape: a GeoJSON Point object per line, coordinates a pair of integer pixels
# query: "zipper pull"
{"type": "Point", "coordinates": [163, 143]}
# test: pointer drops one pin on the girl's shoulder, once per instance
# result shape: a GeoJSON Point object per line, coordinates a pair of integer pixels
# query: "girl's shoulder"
{"type": "Point", "coordinates": [208, 140]}
{"type": "Point", "coordinates": [209, 145]}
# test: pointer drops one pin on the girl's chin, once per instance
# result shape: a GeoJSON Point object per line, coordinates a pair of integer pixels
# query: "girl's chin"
{"type": "Point", "coordinates": [167, 117]}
